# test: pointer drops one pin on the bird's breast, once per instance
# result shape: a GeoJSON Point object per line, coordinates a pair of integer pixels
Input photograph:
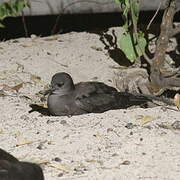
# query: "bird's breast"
{"type": "Point", "coordinates": [63, 105]}
{"type": "Point", "coordinates": [58, 105]}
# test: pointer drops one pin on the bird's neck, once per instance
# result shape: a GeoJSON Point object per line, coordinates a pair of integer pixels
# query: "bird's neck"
{"type": "Point", "coordinates": [64, 91]}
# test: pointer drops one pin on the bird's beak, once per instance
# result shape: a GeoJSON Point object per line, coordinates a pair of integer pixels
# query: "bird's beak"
{"type": "Point", "coordinates": [47, 91]}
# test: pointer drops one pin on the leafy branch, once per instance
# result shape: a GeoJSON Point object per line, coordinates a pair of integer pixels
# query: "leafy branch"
{"type": "Point", "coordinates": [11, 9]}
{"type": "Point", "coordinates": [132, 42]}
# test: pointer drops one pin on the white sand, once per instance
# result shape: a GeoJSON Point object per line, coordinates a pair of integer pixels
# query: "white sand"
{"type": "Point", "coordinates": [92, 146]}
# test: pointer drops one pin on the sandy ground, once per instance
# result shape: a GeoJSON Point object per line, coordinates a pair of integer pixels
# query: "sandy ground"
{"type": "Point", "coordinates": [93, 146]}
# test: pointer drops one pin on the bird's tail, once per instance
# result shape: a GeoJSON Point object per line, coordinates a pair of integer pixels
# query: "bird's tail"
{"type": "Point", "coordinates": [141, 99]}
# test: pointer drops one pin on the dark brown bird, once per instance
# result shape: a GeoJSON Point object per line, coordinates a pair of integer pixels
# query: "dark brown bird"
{"type": "Point", "coordinates": [65, 98]}
{"type": "Point", "coordinates": [13, 169]}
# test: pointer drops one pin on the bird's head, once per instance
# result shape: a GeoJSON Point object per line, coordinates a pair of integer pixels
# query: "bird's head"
{"type": "Point", "coordinates": [61, 84]}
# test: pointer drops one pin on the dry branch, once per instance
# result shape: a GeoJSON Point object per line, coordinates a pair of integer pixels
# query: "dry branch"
{"type": "Point", "coordinates": [159, 81]}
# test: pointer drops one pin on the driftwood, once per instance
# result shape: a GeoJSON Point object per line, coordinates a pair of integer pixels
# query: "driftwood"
{"type": "Point", "coordinates": [161, 80]}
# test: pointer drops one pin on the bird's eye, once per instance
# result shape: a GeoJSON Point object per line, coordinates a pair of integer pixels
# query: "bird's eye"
{"type": "Point", "coordinates": [60, 84]}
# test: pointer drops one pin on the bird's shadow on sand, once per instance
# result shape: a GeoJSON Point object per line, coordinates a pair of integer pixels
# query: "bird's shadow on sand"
{"type": "Point", "coordinates": [42, 110]}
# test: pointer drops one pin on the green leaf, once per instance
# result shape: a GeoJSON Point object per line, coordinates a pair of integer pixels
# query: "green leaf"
{"type": "Point", "coordinates": [135, 9]}
{"type": "Point", "coordinates": [119, 1]}
{"type": "Point", "coordinates": [131, 50]}
{"type": "Point", "coordinates": [12, 8]}
{"type": "Point", "coordinates": [1, 25]}
{"type": "Point", "coordinates": [19, 5]}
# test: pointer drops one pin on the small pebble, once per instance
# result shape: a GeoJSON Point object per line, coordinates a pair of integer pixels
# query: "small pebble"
{"type": "Point", "coordinates": [176, 125]}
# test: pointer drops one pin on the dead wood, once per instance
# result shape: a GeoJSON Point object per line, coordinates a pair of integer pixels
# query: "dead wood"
{"type": "Point", "coordinates": [159, 79]}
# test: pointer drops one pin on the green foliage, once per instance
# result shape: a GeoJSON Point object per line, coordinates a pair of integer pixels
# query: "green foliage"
{"type": "Point", "coordinates": [131, 50]}
{"type": "Point", "coordinates": [132, 42]}
{"type": "Point", "coordinates": [11, 9]}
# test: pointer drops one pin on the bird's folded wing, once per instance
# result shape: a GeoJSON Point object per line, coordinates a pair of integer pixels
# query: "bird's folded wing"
{"type": "Point", "coordinates": [97, 103]}
{"type": "Point", "coordinates": [85, 89]}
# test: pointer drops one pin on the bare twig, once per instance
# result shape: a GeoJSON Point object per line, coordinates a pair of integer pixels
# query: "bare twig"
{"type": "Point", "coordinates": [53, 31]}
{"type": "Point", "coordinates": [148, 26]}
{"type": "Point", "coordinates": [24, 25]}
{"type": "Point", "coordinates": [136, 35]}
{"type": "Point", "coordinates": [71, 4]}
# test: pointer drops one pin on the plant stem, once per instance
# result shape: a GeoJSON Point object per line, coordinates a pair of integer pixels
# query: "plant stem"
{"type": "Point", "coordinates": [136, 33]}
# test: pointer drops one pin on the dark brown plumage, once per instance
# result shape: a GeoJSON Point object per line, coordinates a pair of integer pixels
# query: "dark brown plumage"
{"type": "Point", "coordinates": [65, 98]}
{"type": "Point", "coordinates": [13, 169]}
